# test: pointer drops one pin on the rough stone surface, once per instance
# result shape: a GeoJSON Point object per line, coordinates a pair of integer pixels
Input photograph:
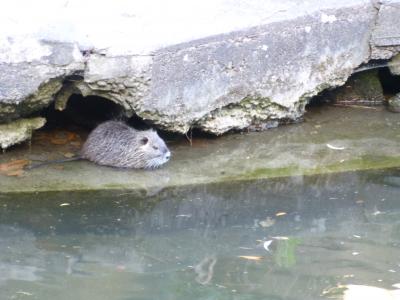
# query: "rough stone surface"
{"type": "Point", "coordinates": [363, 89]}
{"type": "Point", "coordinates": [32, 72]}
{"type": "Point", "coordinates": [216, 65]}
{"type": "Point", "coordinates": [279, 67]}
{"type": "Point", "coordinates": [18, 131]}
{"type": "Point", "coordinates": [394, 65]}
{"type": "Point", "coordinates": [394, 103]}
{"type": "Point", "coordinates": [385, 39]}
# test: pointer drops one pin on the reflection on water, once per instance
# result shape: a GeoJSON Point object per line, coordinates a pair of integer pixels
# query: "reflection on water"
{"type": "Point", "coordinates": [289, 238]}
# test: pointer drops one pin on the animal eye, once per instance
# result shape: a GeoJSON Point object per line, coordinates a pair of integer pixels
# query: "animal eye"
{"type": "Point", "coordinates": [155, 147]}
{"type": "Point", "coordinates": [144, 140]}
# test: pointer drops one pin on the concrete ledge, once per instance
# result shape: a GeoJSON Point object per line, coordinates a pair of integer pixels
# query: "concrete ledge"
{"type": "Point", "coordinates": [329, 141]}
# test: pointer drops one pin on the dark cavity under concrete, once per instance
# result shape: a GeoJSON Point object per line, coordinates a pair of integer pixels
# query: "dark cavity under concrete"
{"type": "Point", "coordinates": [332, 139]}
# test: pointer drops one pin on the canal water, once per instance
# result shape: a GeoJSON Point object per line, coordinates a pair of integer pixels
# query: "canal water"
{"type": "Point", "coordinates": [285, 238]}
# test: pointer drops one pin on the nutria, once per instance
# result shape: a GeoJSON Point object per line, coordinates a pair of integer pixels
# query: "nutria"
{"type": "Point", "coordinates": [116, 144]}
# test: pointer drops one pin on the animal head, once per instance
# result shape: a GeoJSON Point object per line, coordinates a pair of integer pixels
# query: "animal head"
{"type": "Point", "coordinates": [154, 150]}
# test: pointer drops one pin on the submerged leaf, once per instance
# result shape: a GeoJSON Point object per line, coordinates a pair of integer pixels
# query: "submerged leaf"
{"type": "Point", "coordinates": [59, 141]}
{"type": "Point", "coordinates": [281, 213]}
{"type": "Point", "coordinates": [250, 257]}
{"type": "Point", "coordinates": [16, 173]}
{"type": "Point", "coordinates": [14, 164]}
{"type": "Point", "coordinates": [280, 238]}
{"type": "Point", "coordinates": [267, 244]}
{"type": "Point", "coordinates": [14, 167]}
{"type": "Point", "coordinates": [63, 137]}
{"type": "Point", "coordinates": [69, 154]}
{"type": "Point", "coordinates": [335, 147]}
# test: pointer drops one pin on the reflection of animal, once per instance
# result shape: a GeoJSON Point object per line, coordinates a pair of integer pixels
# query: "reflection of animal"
{"type": "Point", "coordinates": [116, 144]}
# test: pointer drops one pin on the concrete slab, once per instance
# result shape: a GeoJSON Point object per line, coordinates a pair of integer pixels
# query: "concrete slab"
{"type": "Point", "coordinates": [385, 39]}
{"type": "Point", "coordinates": [331, 139]}
{"type": "Point", "coordinates": [216, 65]}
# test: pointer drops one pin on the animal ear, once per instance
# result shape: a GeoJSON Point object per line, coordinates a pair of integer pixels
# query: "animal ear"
{"type": "Point", "coordinates": [144, 140]}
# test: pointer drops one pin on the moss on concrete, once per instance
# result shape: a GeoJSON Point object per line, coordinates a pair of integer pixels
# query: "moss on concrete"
{"type": "Point", "coordinates": [364, 163]}
{"type": "Point", "coordinates": [362, 88]}
{"type": "Point", "coordinates": [18, 131]}
{"type": "Point", "coordinates": [394, 103]}
{"type": "Point", "coordinates": [251, 113]}
{"type": "Point", "coordinates": [35, 102]}
{"type": "Point", "coordinates": [394, 65]}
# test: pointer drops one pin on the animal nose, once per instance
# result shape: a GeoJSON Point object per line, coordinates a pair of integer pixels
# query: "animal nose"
{"type": "Point", "coordinates": [168, 155]}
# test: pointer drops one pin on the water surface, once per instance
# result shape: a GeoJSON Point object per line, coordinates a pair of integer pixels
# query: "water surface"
{"type": "Point", "coordinates": [204, 242]}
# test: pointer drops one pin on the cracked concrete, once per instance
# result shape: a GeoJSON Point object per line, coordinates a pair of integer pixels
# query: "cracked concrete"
{"type": "Point", "coordinates": [193, 65]}
{"type": "Point", "coordinates": [385, 39]}
{"type": "Point", "coordinates": [32, 72]}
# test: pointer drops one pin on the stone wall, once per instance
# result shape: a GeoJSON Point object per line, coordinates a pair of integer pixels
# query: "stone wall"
{"type": "Point", "coordinates": [217, 65]}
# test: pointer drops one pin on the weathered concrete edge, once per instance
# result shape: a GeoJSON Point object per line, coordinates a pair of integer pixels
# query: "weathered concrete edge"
{"type": "Point", "coordinates": [239, 102]}
{"type": "Point", "coordinates": [213, 90]}
{"type": "Point", "coordinates": [130, 80]}
{"type": "Point", "coordinates": [19, 131]}
{"type": "Point", "coordinates": [256, 175]}
{"type": "Point", "coordinates": [385, 37]}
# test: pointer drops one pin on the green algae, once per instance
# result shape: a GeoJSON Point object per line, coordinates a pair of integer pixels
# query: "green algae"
{"type": "Point", "coordinates": [362, 88]}
{"type": "Point", "coordinates": [19, 131]}
{"type": "Point", "coordinates": [365, 163]}
{"type": "Point", "coordinates": [285, 254]}
{"type": "Point", "coordinates": [253, 113]}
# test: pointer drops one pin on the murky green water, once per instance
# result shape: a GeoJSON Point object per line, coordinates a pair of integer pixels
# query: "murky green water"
{"type": "Point", "coordinates": [204, 242]}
